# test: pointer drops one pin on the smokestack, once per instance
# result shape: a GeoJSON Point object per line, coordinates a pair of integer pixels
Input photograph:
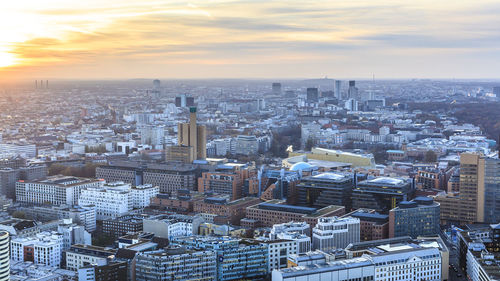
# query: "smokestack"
{"type": "Point", "coordinates": [47, 84]}
{"type": "Point", "coordinates": [36, 84]}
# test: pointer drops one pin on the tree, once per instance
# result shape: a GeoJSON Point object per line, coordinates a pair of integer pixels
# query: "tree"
{"type": "Point", "coordinates": [19, 215]}
{"type": "Point", "coordinates": [430, 156]}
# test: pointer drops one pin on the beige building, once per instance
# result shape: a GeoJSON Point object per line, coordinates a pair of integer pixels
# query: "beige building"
{"type": "Point", "coordinates": [191, 134]}
{"type": "Point", "coordinates": [180, 153]}
{"type": "Point", "coordinates": [468, 206]}
{"type": "Point", "coordinates": [357, 160]}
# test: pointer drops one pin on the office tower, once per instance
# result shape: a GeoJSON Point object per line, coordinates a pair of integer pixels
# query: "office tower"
{"type": "Point", "coordinates": [419, 217]}
{"type": "Point", "coordinates": [352, 92]}
{"type": "Point", "coordinates": [176, 263]}
{"type": "Point", "coordinates": [4, 256]}
{"type": "Point", "coordinates": [496, 91]}
{"type": "Point", "coordinates": [479, 192]}
{"type": "Point", "coordinates": [191, 134]}
{"type": "Point", "coordinates": [156, 91]}
{"type": "Point", "coordinates": [381, 194]}
{"type": "Point", "coordinates": [325, 189]}
{"type": "Point", "coordinates": [335, 233]}
{"type": "Point", "coordinates": [246, 145]}
{"type": "Point", "coordinates": [276, 88]}
{"type": "Point", "coordinates": [338, 89]}
{"type": "Point", "coordinates": [312, 95]}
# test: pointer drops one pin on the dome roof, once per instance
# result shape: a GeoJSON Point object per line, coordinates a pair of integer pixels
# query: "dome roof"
{"type": "Point", "coordinates": [301, 166]}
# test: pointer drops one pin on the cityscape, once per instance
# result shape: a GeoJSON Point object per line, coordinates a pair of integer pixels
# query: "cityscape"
{"type": "Point", "coordinates": [232, 175]}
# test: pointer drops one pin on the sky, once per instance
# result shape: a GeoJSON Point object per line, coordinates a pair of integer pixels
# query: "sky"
{"type": "Point", "coordinates": [122, 39]}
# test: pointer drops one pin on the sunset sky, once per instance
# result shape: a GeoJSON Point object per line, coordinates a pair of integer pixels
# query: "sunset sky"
{"type": "Point", "coordinates": [107, 39]}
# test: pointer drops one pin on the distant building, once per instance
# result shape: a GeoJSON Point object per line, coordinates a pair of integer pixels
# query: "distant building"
{"type": "Point", "coordinates": [419, 217]}
{"type": "Point", "coordinates": [55, 190]}
{"type": "Point", "coordinates": [312, 95]}
{"type": "Point", "coordinates": [338, 89]}
{"type": "Point", "coordinates": [373, 226]}
{"type": "Point", "coordinates": [246, 145]}
{"type": "Point", "coordinates": [169, 177]}
{"type": "Point", "coordinates": [353, 92]}
{"type": "Point", "coordinates": [191, 134]}
{"type": "Point", "coordinates": [9, 177]}
{"type": "Point", "coordinates": [276, 88]}
{"type": "Point", "coordinates": [180, 153]}
{"type": "Point", "coordinates": [122, 225]}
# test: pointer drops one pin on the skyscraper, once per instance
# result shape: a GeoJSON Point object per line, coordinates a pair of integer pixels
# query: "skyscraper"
{"type": "Point", "coordinates": [479, 192]}
{"type": "Point", "coordinates": [352, 92]}
{"type": "Point", "coordinates": [191, 134]}
{"type": "Point", "coordinates": [337, 89]}
{"type": "Point", "coordinates": [312, 95]}
{"type": "Point", "coordinates": [276, 88]}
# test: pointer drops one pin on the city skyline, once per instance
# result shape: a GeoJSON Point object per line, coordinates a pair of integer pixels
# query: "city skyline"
{"type": "Point", "coordinates": [248, 39]}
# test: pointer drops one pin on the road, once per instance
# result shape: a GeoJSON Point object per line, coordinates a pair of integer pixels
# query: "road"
{"type": "Point", "coordinates": [453, 261]}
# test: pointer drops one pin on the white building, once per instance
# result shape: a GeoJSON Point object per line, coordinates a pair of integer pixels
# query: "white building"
{"type": "Point", "coordinates": [169, 226]}
{"type": "Point", "coordinates": [27, 151]}
{"type": "Point", "coordinates": [56, 190]}
{"type": "Point", "coordinates": [278, 252]}
{"type": "Point", "coordinates": [296, 231]}
{"type": "Point", "coordinates": [246, 145]}
{"type": "Point", "coordinates": [153, 135]}
{"type": "Point", "coordinates": [332, 233]}
{"type": "Point", "coordinates": [46, 248]}
{"type": "Point", "coordinates": [142, 194]}
{"type": "Point", "coordinates": [73, 234]}
{"type": "Point", "coordinates": [111, 200]}
{"type": "Point", "coordinates": [407, 264]}
{"type": "Point", "coordinates": [80, 255]}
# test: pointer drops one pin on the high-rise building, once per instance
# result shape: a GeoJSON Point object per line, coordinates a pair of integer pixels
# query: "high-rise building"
{"type": "Point", "coordinates": [191, 134]}
{"type": "Point", "coordinates": [338, 89]}
{"type": "Point", "coordinates": [419, 217]}
{"type": "Point", "coordinates": [496, 91]}
{"type": "Point", "coordinates": [276, 88]}
{"type": "Point", "coordinates": [153, 135]}
{"type": "Point", "coordinates": [479, 192]}
{"type": "Point", "coordinates": [312, 95]}
{"type": "Point", "coordinates": [352, 92]}
{"type": "Point", "coordinates": [4, 256]}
